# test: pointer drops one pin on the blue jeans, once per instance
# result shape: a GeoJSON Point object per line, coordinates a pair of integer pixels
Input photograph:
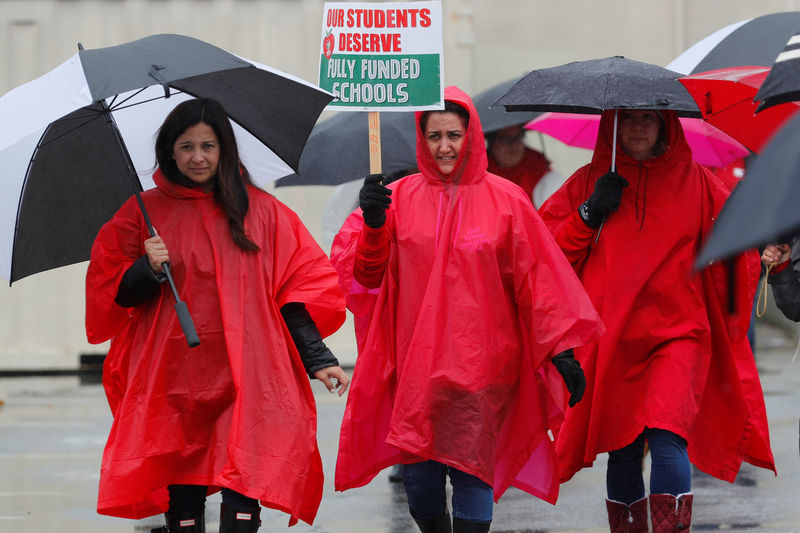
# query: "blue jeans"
{"type": "Point", "coordinates": [425, 489]}
{"type": "Point", "coordinates": [670, 472]}
{"type": "Point", "coordinates": [190, 500]}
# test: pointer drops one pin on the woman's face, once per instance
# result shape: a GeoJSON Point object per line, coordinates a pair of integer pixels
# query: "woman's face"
{"type": "Point", "coordinates": [638, 132]}
{"type": "Point", "coordinates": [444, 134]}
{"type": "Point", "coordinates": [507, 148]}
{"type": "Point", "coordinates": [196, 153]}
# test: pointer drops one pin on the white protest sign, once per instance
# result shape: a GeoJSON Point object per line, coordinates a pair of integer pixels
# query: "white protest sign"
{"type": "Point", "coordinates": [382, 56]}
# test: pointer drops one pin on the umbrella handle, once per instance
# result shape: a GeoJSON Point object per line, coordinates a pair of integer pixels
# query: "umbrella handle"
{"type": "Point", "coordinates": [184, 318]}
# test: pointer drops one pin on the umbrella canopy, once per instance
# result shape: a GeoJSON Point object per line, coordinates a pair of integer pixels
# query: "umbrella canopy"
{"type": "Point", "coordinates": [599, 84]}
{"type": "Point", "coordinates": [338, 149]}
{"type": "Point", "coordinates": [725, 97]}
{"type": "Point", "coordinates": [782, 85]}
{"type": "Point", "coordinates": [495, 118]}
{"type": "Point", "coordinates": [763, 208]}
{"type": "Point", "coordinates": [755, 41]}
{"type": "Point", "coordinates": [710, 146]}
{"type": "Point", "coordinates": [83, 129]}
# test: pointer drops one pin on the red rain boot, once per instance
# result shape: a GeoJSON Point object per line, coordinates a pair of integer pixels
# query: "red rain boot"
{"type": "Point", "coordinates": [671, 514]}
{"type": "Point", "coordinates": [624, 518]}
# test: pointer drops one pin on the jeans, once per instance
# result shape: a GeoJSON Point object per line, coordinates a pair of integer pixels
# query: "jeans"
{"type": "Point", "coordinates": [670, 472]}
{"type": "Point", "coordinates": [190, 500]}
{"type": "Point", "coordinates": [425, 489]}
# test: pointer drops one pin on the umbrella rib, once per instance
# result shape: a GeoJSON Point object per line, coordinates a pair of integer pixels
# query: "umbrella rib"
{"type": "Point", "coordinates": [120, 106]}
{"type": "Point", "coordinates": [82, 124]}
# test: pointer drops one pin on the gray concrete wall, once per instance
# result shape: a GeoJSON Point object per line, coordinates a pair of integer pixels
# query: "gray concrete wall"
{"type": "Point", "coordinates": [486, 42]}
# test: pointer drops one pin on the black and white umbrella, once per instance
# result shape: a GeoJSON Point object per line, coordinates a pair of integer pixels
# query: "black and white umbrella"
{"type": "Point", "coordinates": [751, 42]}
{"type": "Point", "coordinates": [782, 84]}
{"type": "Point", "coordinates": [63, 173]}
{"type": "Point", "coordinates": [78, 141]}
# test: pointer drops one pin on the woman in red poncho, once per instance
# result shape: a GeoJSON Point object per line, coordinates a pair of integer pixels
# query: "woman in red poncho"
{"type": "Point", "coordinates": [461, 298]}
{"type": "Point", "coordinates": [237, 412]}
{"type": "Point", "coordinates": [675, 367]}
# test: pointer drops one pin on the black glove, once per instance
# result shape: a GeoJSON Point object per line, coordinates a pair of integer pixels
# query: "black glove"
{"type": "Point", "coordinates": [604, 200]}
{"type": "Point", "coordinates": [570, 369]}
{"type": "Point", "coordinates": [373, 199]}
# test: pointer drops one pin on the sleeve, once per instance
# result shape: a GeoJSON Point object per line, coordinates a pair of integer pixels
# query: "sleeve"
{"type": "Point", "coordinates": [786, 290]}
{"type": "Point", "coordinates": [560, 214]}
{"type": "Point", "coordinates": [139, 284]}
{"type": "Point", "coordinates": [372, 252]}
{"type": "Point", "coordinates": [313, 352]}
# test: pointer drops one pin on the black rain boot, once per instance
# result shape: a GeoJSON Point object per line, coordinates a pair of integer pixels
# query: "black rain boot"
{"type": "Point", "coordinates": [186, 524]}
{"type": "Point", "coordinates": [239, 519]}
{"type": "Point", "coordinates": [468, 526]}
{"type": "Point", "coordinates": [440, 524]}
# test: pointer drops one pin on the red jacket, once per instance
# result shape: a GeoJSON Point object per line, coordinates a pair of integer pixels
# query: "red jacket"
{"type": "Point", "coordinates": [673, 357]}
{"type": "Point", "coordinates": [455, 343]}
{"type": "Point", "coordinates": [238, 410]}
{"type": "Point", "coordinates": [527, 173]}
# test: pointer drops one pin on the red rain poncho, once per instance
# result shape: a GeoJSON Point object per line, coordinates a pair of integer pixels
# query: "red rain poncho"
{"type": "Point", "coordinates": [455, 344]}
{"type": "Point", "coordinates": [673, 357]}
{"type": "Point", "coordinates": [238, 410]}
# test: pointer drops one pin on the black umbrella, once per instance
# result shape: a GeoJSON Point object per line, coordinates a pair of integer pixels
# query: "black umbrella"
{"type": "Point", "coordinates": [495, 118]}
{"type": "Point", "coordinates": [782, 84]}
{"type": "Point", "coordinates": [751, 42]}
{"type": "Point", "coordinates": [596, 85]}
{"type": "Point", "coordinates": [337, 150]}
{"type": "Point", "coordinates": [66, 160]}
{"type": "Point", "coordinates": [763, 207]}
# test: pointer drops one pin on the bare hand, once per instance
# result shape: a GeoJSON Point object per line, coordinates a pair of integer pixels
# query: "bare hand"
{"type": "Point", "coordinates": [325, 375]}
{"type": "Point", "coordinates": [775, 254]}
{"type": "Point", "coordinates": [157, 253]}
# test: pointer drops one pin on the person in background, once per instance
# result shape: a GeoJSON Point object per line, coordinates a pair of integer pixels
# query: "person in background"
{"type": "Point", "coordinates": [237, 412]}
{"type": "Point", "coordinates": [528, 168]}
{"type": "Point", "coordinates": [466, 312]}
{"type": "Point", "coordinates": [662, 374]}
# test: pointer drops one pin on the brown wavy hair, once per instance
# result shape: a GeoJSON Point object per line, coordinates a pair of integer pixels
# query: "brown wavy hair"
{"type": "Point", "coordinates": [230, 183]}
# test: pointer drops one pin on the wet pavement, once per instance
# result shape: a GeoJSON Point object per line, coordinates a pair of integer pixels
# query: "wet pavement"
{"type": "Point", "coordinates": [52, 431]}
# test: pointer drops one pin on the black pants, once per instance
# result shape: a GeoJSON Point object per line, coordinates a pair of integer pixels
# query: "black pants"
{"type": "Point", "coordinates": [190, 500]}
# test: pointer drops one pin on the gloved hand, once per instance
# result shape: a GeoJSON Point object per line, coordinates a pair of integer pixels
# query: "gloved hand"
{"type": "Point", "coordinates": [373, 199]}
{"type": "Point", "coordinates": [570, 369]}
{"type": "Point", "coordinates": [604, 200]}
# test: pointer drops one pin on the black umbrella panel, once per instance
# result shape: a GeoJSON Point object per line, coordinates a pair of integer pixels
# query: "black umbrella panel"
{"type": "Point", "coordinates": [596, 85]}
{"type": "Point", "coordinates": [762, 209]}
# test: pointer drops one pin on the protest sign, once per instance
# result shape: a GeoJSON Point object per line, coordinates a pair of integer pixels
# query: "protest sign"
{"type": "Point", "coordinates": [382, 56]}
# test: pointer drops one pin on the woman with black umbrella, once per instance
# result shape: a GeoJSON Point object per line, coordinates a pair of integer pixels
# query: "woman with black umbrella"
{"type": "Point", "coordinates": [674, 368]}
{"type": "Point", "coordinates": [461, 300]}
{"type": "Point", "coordinates": [237, 412]}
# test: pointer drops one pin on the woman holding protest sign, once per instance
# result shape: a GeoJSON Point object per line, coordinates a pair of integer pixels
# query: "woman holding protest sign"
{"type": "Point", "coordinates": [465, 310]}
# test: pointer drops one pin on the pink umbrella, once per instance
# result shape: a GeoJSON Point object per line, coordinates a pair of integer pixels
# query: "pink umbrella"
{"type": "Point", "coordinates": [710, 146]}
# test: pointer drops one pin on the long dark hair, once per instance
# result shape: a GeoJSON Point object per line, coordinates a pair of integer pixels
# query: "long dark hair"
{"type": "Point", "coordinates": [230, 183]}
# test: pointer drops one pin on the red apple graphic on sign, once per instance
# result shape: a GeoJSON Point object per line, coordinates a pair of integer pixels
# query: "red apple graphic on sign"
{"type": "Point", "coordinates": [327, 44]}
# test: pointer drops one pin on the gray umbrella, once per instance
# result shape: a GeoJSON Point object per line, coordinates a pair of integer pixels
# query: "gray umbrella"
{"type": "Point", "coordinates": [495, 117]}
{"type": "Point", "coordinates": [337, 150]}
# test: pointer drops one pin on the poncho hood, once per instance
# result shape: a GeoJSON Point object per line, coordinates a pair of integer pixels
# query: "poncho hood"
{"type": "Point", "coordinates": [472, 160]}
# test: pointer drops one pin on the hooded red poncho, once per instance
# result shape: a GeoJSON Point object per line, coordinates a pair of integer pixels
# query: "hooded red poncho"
{"type": "Point", "coordinates": [673, 357]}
{"type": "Point", "coordinates": [455, 344]}
{"type": "Point", "coordinates": [238, 410]}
